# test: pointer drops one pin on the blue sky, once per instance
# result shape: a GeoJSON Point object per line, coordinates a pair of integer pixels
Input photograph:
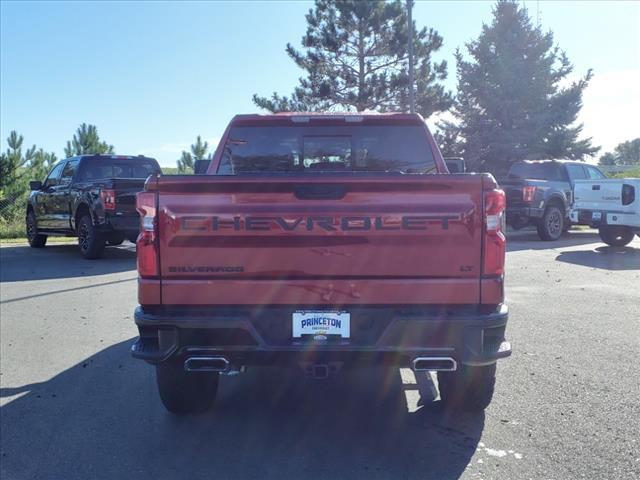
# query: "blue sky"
{"type": "Point", "coordinates": [153, 75]}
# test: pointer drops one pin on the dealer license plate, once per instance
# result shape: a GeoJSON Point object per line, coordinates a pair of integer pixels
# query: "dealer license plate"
{"type": "Point", "coordinates": [321, 324]}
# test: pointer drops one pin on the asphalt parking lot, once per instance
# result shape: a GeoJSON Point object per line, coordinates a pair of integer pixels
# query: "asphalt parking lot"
{"type": "Point", "coordinates": [75, 405]}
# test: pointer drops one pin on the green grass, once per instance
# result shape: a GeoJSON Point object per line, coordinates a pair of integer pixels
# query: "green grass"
{"type": "Point", "coordinates": [13, 231]}
{"type": "Point", "coordinates": [12, 228]}
{"type": "Point", "coordinates": [50, 240]}
{"type": "Point", "coordinates": [633, 173]}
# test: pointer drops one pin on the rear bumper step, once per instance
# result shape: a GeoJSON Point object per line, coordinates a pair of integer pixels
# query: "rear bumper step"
{"type": "Point", "coordinates": [436, 339]}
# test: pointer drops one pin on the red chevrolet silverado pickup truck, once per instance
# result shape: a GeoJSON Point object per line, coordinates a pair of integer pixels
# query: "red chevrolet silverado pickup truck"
{"type": "Point", "coordinates": [325, 242]}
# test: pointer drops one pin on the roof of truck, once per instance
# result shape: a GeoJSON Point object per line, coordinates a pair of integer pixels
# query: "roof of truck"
{"type": "Point", "coordinates": [111, 156]}
{"type": "Point", "coordinates": [557, 160]}
{"type": "Point", "coordinates": [328, 117]}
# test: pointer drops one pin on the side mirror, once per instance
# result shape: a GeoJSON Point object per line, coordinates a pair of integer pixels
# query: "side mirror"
{"type": "Point", "coordinates": [35, 185]}
{"type": "Point", "coordinates": [200, 167]}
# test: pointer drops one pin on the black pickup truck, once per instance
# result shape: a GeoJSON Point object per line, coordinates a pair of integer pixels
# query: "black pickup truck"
{"type": "Point", "coordinates": [539, 193]}
{"type": "Point", "coordinates": [92, 197]}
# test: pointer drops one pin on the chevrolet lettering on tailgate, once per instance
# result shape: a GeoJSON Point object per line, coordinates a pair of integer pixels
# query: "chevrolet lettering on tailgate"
{"type": "Point", "coordinates": [330, 224]}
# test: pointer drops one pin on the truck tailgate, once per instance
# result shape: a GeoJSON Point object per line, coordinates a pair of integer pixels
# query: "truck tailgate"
{"type": "Point", "coordinates": [125, 192]}
{"type": "Point", "coordinates": [598, 194]}
{"type": "Point", "coordinates": [332, 239]}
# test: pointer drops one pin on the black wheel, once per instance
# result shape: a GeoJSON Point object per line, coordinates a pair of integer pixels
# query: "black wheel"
{"type": "Point", "coordinates": [185, 392]}
{"type": "Point", "coordinates": [615, 235]}
{"type": "Point", "coordinates": [91, 243]}
{"type": "Point", "coordinates": [551, 224]}
{"type": "Point", "coordinates": [468, 388]}
{"type": "Point", "coordinates": [35, 239]}
{"type": "Point", "coordinates": [115, 239]}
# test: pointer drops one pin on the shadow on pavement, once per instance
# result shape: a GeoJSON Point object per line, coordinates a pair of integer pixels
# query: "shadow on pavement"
{"type": "Point", "coordinates": [608, 258]}
{"type": "Point", "coordinates": [22, 263]}
{"type": "Point", "coordinates": [526, 240]}
{"type": "Point", "coordinates": [102, 419]}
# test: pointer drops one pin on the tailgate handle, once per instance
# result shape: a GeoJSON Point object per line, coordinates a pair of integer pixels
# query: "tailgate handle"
{"type": "Point", "coordinates": [315, 191]}
{"type": "Point", "coordinates": [595, 187]}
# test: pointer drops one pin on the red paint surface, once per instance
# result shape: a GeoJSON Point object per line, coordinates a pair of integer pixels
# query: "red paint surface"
{"type": "Point", "coordinates": [313, 266]}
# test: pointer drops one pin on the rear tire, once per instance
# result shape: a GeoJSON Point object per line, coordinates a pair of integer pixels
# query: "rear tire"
{"type": "Point", "coordinates": [468, 388]}
{"type": "Point", "coordinates": [35, 239]}
{"type": "Point", "coordinates": [185, 392]}
{"type": "Point", "coordinates": [91, 243]}
{"type": "Point", "coordinates": [615, 235]}
{"type": "Point", "coordinates": [551, 225]}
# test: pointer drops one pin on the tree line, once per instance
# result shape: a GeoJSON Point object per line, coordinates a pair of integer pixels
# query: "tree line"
{"type": "Point", "coordinates": [626, 153]}
{"type": "Point", "coordinates": [514, 96]}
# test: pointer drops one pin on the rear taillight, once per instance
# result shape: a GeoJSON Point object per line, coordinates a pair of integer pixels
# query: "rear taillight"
{"type": "Point", "coordinates": [108, 197]}
{"type": "Point", "coordinates": [528, 194]}
{"type": "Point", "coordinates": [494, 239]}
{"type": "Point", "coordinates": [628, 194]}
{"type": "Point", "coordinates": [147, 244]}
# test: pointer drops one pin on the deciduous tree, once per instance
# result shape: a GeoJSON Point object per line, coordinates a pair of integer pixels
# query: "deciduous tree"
{"type": "Point", "coordinates": [625, 153]}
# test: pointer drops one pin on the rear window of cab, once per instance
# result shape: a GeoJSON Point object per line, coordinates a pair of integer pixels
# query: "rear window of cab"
{"type": "Point", "coordinates": [309, 149]}
{"type": "Point", "coordinates": [99, 168]}
{"type": "Point", "coordinates": [537, 171]}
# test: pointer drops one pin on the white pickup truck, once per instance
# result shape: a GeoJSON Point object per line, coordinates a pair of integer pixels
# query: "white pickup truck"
{"type": "Point", "coordinates": [612, 206]}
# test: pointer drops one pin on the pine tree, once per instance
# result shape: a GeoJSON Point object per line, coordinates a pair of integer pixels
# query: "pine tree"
{"type": "Point", "coordinates": [17, 167]}
{"type": "Point", "coordinates": [355, 58]}
{"type": "Point", "coordinates": [185, 163]}
{"type": "Point", "coordinates": [449, 139]}
{"type": "Point", "coordinates": [511, 104]}
{"type": "Point", "coordinates": [42, 163]}
{"type": "Point", "coordinates": [198, 152]}
{"type": "Point", "coordinates": [13, 164]}
{"type": "Point", "coordinates": [86, 141]}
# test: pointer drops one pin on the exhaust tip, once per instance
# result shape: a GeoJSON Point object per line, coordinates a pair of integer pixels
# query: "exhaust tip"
{"type": "Point", "coordinates": [438, 364]}
{"type": "Point", "coordinates": [206, 364]}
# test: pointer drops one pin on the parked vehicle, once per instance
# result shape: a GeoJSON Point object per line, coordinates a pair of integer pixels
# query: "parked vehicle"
{"type": "Point", "coordinates": [539, 193]}
{"type": "Point", "coordinates": [309, 243]}
{"type": "Point", "coordinates": [91, 197]}
{"type": "Point", "coordinates": [612, 206]}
